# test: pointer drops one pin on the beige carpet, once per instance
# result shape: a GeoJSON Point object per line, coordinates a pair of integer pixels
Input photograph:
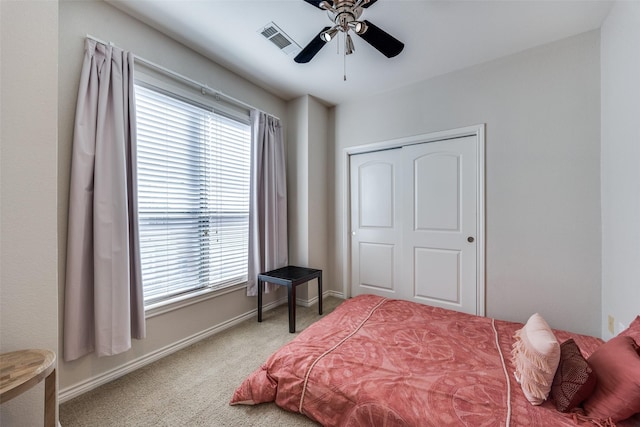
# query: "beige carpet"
{"type": "Point", "coordinates": [193, 386]}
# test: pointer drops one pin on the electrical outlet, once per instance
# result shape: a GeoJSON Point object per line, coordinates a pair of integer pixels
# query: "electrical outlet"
{"type": "Point", "coordinates": [612, 322]}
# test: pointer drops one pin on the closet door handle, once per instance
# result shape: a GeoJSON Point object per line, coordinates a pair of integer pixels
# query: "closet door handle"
{"type": "Point", "coordinates": [470, 239]}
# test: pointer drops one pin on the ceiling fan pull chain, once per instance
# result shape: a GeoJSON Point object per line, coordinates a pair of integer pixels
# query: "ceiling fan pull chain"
{"type": "Point", "coordinates": [345, 68]}
{"type": "Point", "coordinates": [344, 58]}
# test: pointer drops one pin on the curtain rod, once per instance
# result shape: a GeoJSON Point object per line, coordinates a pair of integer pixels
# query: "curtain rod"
{"type": "Point", "coordinates": [203, 87]}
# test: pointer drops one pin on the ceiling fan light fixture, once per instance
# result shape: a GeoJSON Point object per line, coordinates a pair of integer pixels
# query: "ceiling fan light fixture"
{"type": "Point", "coordinates": [359, 27]}
{"type": "Point", "coordinates": [328, 35]}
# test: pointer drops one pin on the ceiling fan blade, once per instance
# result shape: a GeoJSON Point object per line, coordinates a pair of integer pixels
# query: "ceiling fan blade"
{"type": "Point", "coordinates": [316, 3]}
{"type": "Point", "coordinates": [311, 49]}
{"type": "Point", "coordinates": [369, 4]}
{"type": "Point", "coordinates": [388, 45]}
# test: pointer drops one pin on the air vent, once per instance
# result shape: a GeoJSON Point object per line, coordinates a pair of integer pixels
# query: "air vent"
{"type": "Point", "coordinates": [275, 35]}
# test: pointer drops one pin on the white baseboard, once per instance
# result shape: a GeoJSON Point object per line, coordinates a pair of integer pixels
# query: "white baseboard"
{"type": "Point", "coordinates": [311, 301]}
{"type": "Point", "coordinates": [94, 382]}
{"type": "Point", "coordinates": [334, 294]}
{"type": "Point", "coordinates": [80, 388]}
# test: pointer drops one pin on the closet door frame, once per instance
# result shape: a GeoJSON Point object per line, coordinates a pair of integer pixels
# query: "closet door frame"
{"type": "Point", "coordinates": [477, 131]}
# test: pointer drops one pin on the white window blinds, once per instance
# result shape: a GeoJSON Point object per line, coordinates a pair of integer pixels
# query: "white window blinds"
{"type": "Point", "coordinates": [193, 191]}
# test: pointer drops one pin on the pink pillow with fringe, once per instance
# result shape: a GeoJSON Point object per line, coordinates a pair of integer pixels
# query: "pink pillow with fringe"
{"type": "Point", "coordinates": [535, 354]}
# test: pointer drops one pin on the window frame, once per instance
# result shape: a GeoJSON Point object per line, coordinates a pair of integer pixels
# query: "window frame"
{"type": "Point", "coordinates": [207, 98]}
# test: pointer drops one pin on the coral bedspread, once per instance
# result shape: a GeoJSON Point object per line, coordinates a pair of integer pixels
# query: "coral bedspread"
{"type": "Point", "coordinates": [382, 362]}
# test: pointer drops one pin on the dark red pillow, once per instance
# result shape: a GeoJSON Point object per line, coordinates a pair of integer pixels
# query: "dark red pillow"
{"type": "Point", "coordinates": [633, 330]}
{"type": "Point", "coordinates": [574, 380]}
{"type": "Point", "coordinates": [616, 364]}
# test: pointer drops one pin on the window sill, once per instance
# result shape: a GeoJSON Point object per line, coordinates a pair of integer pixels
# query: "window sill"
{"type": "Point", "coordinates": [188, 299]}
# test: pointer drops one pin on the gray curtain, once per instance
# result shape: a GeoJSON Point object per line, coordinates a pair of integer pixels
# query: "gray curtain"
{"type": "Point", "coordinates": [104, 305]}
{"type": "Point", "coordinates": [268, 247]}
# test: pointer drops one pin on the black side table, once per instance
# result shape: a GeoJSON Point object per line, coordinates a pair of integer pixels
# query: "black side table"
{"type": "Point", "coordinates": [290, 276]}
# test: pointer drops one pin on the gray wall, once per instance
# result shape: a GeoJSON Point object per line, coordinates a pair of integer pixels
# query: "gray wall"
{"type": "Point", "coordinates": [298, 180]}
{"type": "Point", "coordinates": [99, 19]}
{"type": "Point", "coordinates": [307, 188]}
{"type": "Point", "coordinates": [542, 113]}
{"type": "Point", "coordinates": [28, 205]}
{"type": "Point", "coordinates": [620, 66]}
{"type": "Point", "coordinates": [317, 191]}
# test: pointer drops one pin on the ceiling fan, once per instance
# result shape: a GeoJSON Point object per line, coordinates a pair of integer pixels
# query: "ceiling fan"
{"type": "Point", "coordinates": [345, 15]}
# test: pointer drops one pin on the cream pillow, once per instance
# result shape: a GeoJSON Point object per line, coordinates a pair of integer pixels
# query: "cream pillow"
{"type": "Point", "coordinates": [536, 354]}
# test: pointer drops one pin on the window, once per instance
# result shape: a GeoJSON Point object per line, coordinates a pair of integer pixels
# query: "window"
{"type": "Point", "coordinates": [193, 192]}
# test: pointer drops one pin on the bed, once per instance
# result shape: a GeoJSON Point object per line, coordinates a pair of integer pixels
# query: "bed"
{"type": "Point", "coordinates": [375, 361]}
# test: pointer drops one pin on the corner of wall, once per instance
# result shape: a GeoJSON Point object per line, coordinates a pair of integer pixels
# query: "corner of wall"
{"type": "Point", "coordinates": [620, 208]}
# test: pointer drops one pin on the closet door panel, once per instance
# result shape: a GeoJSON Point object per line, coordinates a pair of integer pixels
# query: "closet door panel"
{"type": "Point", "coordinates": [436, 275]}
{"type": "Point", "coordinates": [439, 219]}
{"type": "Point", "coordinates": [375, 227]}
{"type": "Point", "coordinates": [436, 182]}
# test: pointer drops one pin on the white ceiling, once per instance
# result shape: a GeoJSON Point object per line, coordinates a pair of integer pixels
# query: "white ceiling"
{"type": "Point", "coordinates": [440, 36]}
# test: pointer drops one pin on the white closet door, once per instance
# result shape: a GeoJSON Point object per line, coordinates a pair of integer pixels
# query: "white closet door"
{"type": "Point", "coordinates": [376, 199]}
{"type": "Point", "coordinates": [414, 224]}
{"type": "Point", "coordinates": [439, 223]}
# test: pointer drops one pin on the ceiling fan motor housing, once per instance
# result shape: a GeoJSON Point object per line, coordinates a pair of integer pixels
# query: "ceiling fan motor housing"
{"type": "Point", "coordinates": [344, 13]}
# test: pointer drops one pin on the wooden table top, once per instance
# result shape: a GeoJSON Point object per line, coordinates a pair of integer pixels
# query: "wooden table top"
{"type": "Point", "coordinates": [21, 370]}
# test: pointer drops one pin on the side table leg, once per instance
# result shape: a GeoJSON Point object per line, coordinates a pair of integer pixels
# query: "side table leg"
{"type": "Point", "coordinates": [50, 400]}
{"type": "Point", "coordinates": [291, 297]}
{"type": "Point", "coordinates": [260, 286]}
{"type": "Point", "coordinates": [320, 293]}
